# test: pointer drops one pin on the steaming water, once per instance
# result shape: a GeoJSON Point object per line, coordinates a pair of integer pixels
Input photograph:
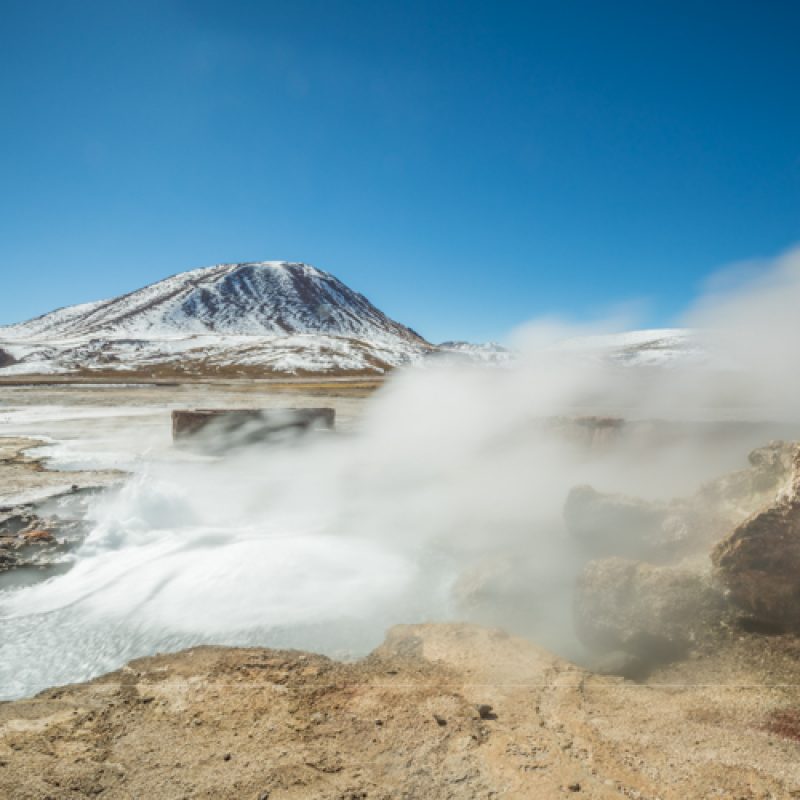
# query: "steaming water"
{"type": "Point", "coordinates": [320, 544]}
{"type": "Point", "coordinates": [265, 547]}
{"type": "Point", "coordinates": [325, 544]}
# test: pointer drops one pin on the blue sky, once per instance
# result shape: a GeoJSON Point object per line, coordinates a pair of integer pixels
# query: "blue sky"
{"type": "Point", "coordinates": [466, 165]}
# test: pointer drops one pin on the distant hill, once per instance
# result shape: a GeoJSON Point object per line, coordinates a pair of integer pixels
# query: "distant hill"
{"type": "Point", "coordinates": [273, 315]}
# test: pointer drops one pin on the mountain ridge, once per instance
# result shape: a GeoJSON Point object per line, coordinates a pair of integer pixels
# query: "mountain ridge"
{"type": "Point", "coordinates": [246, 319]}
{"type": "Point", "coordinates": [240, 298]}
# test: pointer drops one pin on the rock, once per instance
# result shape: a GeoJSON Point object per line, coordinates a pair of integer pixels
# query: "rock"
{"type": "Point", "coordinates": [37, 535]}
{"type": "Point", "coordinates": [6, 359]}
{"type": "Point", "coordinates": [656, 613]}
{"type": "Point", "coordinates": [498, 591]}
{"type": "Point", "coordinates": [741, 493]}
{"type": "Point", "coordinates": [617, 525]}
{"type": "Point", "coordinates": [773, 463]}
{"type": "Point", "coordinates": [15, 521]}
{"type": "Point", "coordinates": [588, 433]}
{"type": "Point", "coordinates": [661, 532]}
{"type": "Point", "coordinates": [221, 429]}
{"type": "Point", "coordinates": [759, 563]}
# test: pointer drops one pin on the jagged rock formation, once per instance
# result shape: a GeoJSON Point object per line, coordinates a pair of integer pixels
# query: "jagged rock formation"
{"type": "Point", "coordinates": [759, 563]}
{"type": "Point", "coordinates": [656, 613]}
{"type": "Point", "coordinates": [608, 524]}
{"type": "Point", "coordinates": [6, 359]}
{"type": "Point", "coordinates": [617, 525]}
{"type": "Point", "coordinates": [650, 591]}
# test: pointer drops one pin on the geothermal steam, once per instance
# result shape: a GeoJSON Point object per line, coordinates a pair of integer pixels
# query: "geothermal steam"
{"type": "Point", "coordinates": [322, 544]}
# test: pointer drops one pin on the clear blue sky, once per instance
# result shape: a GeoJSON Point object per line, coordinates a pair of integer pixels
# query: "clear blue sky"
{"type": "Point", "coordinates": [466, 165]}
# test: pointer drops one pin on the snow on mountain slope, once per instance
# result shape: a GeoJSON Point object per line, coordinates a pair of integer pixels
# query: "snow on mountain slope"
{"type": "Point", "coordinates": [268, 317]}
{"type": "Point", "coordinates": [486, 353]}
{"type": "Point", "coordinates": [274, 316]}
{"type": "Point", "coordinates": [646, 348]}
{"type": "Point", "coordinates": [265, 298]}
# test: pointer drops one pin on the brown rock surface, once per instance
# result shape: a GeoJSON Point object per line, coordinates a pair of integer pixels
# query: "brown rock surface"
{"type": "Point", "coordinates": [662, 532]}
{"type": "Point", "coordinates": [656, 613]}
{"type": "Point", "coordinates": [22, 474]}
{"type": "Point", "coordinates": [759, 563]}
{"type": "Point", "coordinates": [404, 723]}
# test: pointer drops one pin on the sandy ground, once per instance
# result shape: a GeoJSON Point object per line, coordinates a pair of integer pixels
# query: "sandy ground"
{"type": "Point", "coordinates": [439, 711]}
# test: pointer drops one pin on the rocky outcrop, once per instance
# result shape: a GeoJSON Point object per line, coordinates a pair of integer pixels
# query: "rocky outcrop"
{"type": "Point", "coordinates": [612, 524]}
{"type": "Point", "coordinates": [663, 532]}
{"type": "Point", "coordinates": [650, 595]}
{"type": "Point", "coordinates": [588, 432]}
{"type": "Point", "coordinates": [759, 563]}
{"type": "Point", "coordinates": [6, 359]}
{"type": "Point", "coordinates": [222, 429]}
{"type": "Point", "coordinates": [39, 536]}
{"type": "Point", "coordinates": [441, 712]}
{"type": "Point", "coordinates": [654, 613]}
{"type": "Point", "coordinates": [739, 494]}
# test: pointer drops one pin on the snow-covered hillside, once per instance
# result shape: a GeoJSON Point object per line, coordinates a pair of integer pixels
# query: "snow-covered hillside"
{"type": "Point", "coordinates": [268, 317]}
{"type": "Point", "coordinates": [660, 347]}
{"type": "Point", "coordinates": [486, 353]}
{"type": "Point", "coordinates": [269, 298]}
{"type": "Point", "coordinates": [275, 315]}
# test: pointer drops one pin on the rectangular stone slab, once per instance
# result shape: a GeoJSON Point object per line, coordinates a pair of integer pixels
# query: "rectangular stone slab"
{"type": "Point", "coordinates": [243, 426]}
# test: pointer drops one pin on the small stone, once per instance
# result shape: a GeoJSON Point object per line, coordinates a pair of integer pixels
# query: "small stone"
{"type": "Point", "coordinates": [37, 535]}
{"type": "Point", "coordinates": [574, 787]}
{"type": "Point", "coordinates": [441, 721]}
{"type": "Point", "coordinates": [226, 757]}
{"type": "Point", "coordinates": [485, 711]}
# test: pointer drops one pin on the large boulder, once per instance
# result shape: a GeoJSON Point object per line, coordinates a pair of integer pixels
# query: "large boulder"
{"type": "Point", "coordinates": [218, 430]}
{"type": "Point", "coordinates": [759, 563]}
{"type": "Point", "coordinates": [741, 493]}
{"type": "Point", "coordinates": [660, 532]}
{"type": "Point", "coordinates": [654, 613]}
{"type": "Point", "coordinates": [617, 525]}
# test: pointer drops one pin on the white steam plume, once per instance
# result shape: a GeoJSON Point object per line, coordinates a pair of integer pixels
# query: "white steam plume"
{"type": "Point", "coordinates": [324, 543]}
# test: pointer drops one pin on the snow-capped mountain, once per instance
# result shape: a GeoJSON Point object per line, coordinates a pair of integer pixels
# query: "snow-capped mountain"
{"type": "Point", "coordinates": [275, 315]}
{"type": "Point", "coordinates": [268, 317]}
{"type": "Point", "coordinates": [269, 298]}
{"type": "Point", "coordinates": [485, 353]}
{"type": "Point", "coordinates": [658, 347]}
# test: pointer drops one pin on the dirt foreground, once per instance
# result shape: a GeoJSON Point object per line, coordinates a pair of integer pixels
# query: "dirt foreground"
{"type": "Point", "coordinates": [438, 711]}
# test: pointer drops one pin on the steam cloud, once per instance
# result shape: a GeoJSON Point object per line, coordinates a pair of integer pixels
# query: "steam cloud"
{"type": "Point", "coordinates": [322, 544]}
